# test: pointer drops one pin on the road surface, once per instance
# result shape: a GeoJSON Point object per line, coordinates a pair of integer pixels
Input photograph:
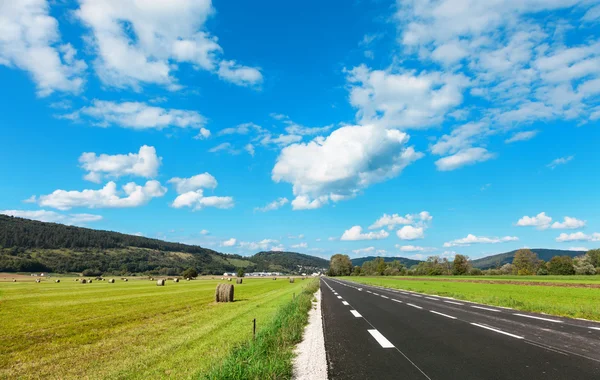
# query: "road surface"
{"type": "Point", "coordinates": [376, 333]}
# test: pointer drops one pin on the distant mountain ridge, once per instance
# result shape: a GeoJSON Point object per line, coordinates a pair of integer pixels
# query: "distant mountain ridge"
{"type": "Point", "coordinates": [500, 259]}
{"type": "Point", "coordinates": [33, 246]}
{"type": "Point", "coordinates": [403, 260]}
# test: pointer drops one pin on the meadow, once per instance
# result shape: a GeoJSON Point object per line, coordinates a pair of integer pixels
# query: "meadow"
{"type": "Point", "coordinates": [574, 302]}
{"type": "Point", "coordinates": [132, 329]}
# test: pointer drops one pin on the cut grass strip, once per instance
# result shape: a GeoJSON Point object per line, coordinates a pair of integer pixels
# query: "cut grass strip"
{"type": "Point", "coordinates": [270, 355]}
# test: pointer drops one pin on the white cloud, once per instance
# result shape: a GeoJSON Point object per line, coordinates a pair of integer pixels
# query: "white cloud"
{"type": "Point", "coordinates": [390, 221]}
{"type": "Point", "coordinates": [142, 42]}
{"type": "Point", "coordinates": [31, 199]}
{"type": "Point", "coordinates": [30, 40]}
{"type": "Point", "coordinates": [460, 139]}
{"type": "Point", "coordinates": [197, 201]}
{"type": "Point", "coordinates": [410, 233]}
{"type": "Point", "coordinates": [578, 249]}
{"type": "Point", "coordinates": [108, 196]}
{"type": "Point", "coordinates": [521, 136]}
{"type": "Point", "coordinates": [204, 232]}
{"type": "Point", "coordinates": [355, 233]}
{"type": "Point", "coordinates": [337, 167]}
{"type": "Point", "coordinates": [364, 250]}
{"type": "Point", "coordinates": [199, 181]}
{"type": "Point", "coordinates": [569, 223]}
{"type": "Point", "coordinates": [472, 239]}
{"type": "Point", "coordinates": [560, 161]}
{"type": "Point", "coordinates": [278, 248]}
{"type": "Point", "coordinates": [250, 149]}
{"type": "Point", "coordinates": [224, 147]}
{"type": "Point", "coordinates": [53, 216]}
{"type": "Point", "coordinates": [138, 116]}
{"type": "Point", "coordinates": [145, 164]}
{"type": "Point", "coordinates": [229, 243]}
{"type": "Point", "coordinates": [541, 221]}
{"type": "Point", "coordinates": [300, 245]}
{"type": "Point", "coordinates": [464, 157]}
{"type": "Point", "coordinates": [263, 245]}
{"type": "Point", "coordinates": [413, 248]}
{"type": "Point", "coordinates": [279, 202]}
{"type": "Point", "coordinates": [578, 236]}
{"type": "Point", "coordinates": [281, 140]}
{"type": "Point", "coordinates": [241, 129]}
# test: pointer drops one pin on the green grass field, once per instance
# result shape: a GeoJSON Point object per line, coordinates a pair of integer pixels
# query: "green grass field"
{"type": "Point", "coordinates": [129, 329]}
{"type": "Point", "coordinates": [557, 279]}
{"type": "Point", "coordinates": [562, 301]}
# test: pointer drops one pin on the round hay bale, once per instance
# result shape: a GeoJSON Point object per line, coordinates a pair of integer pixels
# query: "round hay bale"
{"type": "Point", "coordinates": [111, 281]}
{"type": "Point", "coordinates": [229, 279]}
{"type": "Point", "coordinates": [224, 293]}
{"type": "Point", "coordinates": [151, 278]}
{"type": "Point", "coordinates": [222, 278]}
{"type": "Point", "coordinates": [187, 279]}
{"type": "Point", "coordinates": [84, 281]}
{"type": "Point", "coordinates": [176, 280]}
{"type": "Point", "coordinates": [37, 280]}
{"type": "Point", "coordinates": [125, 279]}
{"type": "Point", "coordinates": [76, 279]}
{"type": "Point", "coordinates": [238, 281]}
{"type": "Point", "coordinates": [160, 282]}
{"type": "Point", "coordinates": [274, 278]}
{"type": "Point", "coordinates": [89, 281]}
{"type": "Point", "coordinates": [14, 280]}
{"type": "Point", "coordinates": [292, 280]}
{"type": "Point", "coordinates": [57, 281]}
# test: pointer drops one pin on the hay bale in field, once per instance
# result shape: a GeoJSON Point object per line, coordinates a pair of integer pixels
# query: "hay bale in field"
{"type": "Point", "coordinates": [111, 281]}
{"type": "Point", "coordinates": [222, 278]}
{"type": "Point", "coordinates": [14, 280]}
{"type": "Point", "coordinates": [238, 280]}
{"type": "Point", "coordinates": [224, 293]}
{"type": "Point", "coordinates": [125, 279]}
{"type": "Point", "coordinates": [292, 280]}
{"type": "Point", "coordinates": [84, 281]}
{"type": "Point", "coordinates": [37, 280]}
{"type": "Point", "coordinates": [187, 279]}
{"type": "Point", "coordinates": [89, 281]}
{"type": "Point", "coordinates": [229, 279]}
{"type": "Point", "coordinates": [57, 281]}
{"type": "Point", "coordinates": [176, 280]}
{"type": "Point", "coordinates": [274, 278]}
{"type": "Point", "coordinates": [151, 278]}
{"type": "Point", "coordinates": [160, 282]}
{"type": "Point", "coordinates": [76, 279]}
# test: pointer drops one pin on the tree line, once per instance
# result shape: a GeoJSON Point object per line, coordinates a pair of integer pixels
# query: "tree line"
{"type": "Point", "coordinates": [525, 262]}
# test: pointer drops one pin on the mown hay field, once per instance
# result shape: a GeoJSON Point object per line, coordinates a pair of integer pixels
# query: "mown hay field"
{"type": "Point", "coordinates": [574, 302]}
{"type": "Point", "coordinates": [129, 329]}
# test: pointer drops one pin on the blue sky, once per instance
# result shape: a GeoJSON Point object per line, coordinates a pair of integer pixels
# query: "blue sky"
{"type": "Point", "coordinates": [408, 128]}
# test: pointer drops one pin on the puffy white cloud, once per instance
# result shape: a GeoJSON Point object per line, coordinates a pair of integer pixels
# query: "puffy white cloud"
{"type": "Point", "coordinates": [300, 245]}
{"type": "Point", "coordinates": [229, 242]}
{"type": "Point", "coordinates": [462, 158]}
{"type": "Point", "coordinates": [199, 181]}
{"type": "Point", "coordinates": [141, 42]}
{"type": "Point", "coordinates": [410, 233]}
{"type": "Point", "coordinates": [337, 167]}
{"type": "Point", "coordinates": [281, 140]}
{"type": "Point", "coordinates": [521, 136]}
{"type": "Point", "coordinates": [278, 248]}
{"type": "Point", "coordinates": [250, 149]}
{"type": "Point", "coordinates": [413, 248]}
{"type": "Point", "coordinates": [139, 116]}
{"type": "Point", "coordinates": [560, 161]}
{"type": "Point", "coordinates": [364, 250]}
{"type": "Point", "coordinates": [390, 221]}
{"type": "Point", "coordinates": [30, 40]}
{"type": "Point", "coordinates": [355, 233]}
{"type": "Point", "coordinates": [263, 245]}
{"type": "Point", "coordinates": [569, 223]}
{"type": "Point", "coordinates": [578, 236]}
{"type": "Point", "coordinates": [107, 197]}
{"type": "Point", "coordinates": [541, 221]}
{"type": "Point", "coordinates": [145, 163]}
{"type": "Point", "coordinates": [241, 129]}
{"type": "Point", "coordinates": [224, 147]}
{"type": "Point", "coordinates": [472, 239]}
{"type": "Point", "coordinates": [404, 99]}
{"type": "Point", "coordinates": [461, 138]}
{"type": "Point", "coordinates": [279, 202]}
{"type": "Point", "coordinates": [197, 201]}
{"type": "Point", "coordinates": [53, 216]}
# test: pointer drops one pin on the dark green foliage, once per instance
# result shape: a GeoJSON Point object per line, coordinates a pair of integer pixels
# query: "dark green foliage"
{"type": "Point", "coordinates": [460, 265]}
{"type": "Point", "coordinates": [91, 272]}
{"type": "Point", "coordinates": [496, 261]}
{"type": "Point", "coordinates": [561, 265]}
{"type": "Point", "coordinates": [403, 260]}
{"type": "Point", "coordinates": [241, 273]}
{"type": "Point", "coordinates": [287, 261]}
{"type": "Point", "coordinates": [340, 265]}
{"type": "Point", "coordinates": [190, 273]}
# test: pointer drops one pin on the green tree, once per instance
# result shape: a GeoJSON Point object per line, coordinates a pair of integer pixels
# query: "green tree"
{"type": "Point", "coordinates": [561, 265]}
{"type": "Point", "coordinates": [357, 270]}
{"type": "Point", "coordinates": [583, 265]}
{"type": "Point", "coordinates": [340, 265]}
{"type": "Point", "coordinates": [241, 272]}
{"type": "Point", "coordinates": [190, 273]}
{"type": "Point", "coordinates": [594, 257]}
{"type": "Point", "coordinates": [380, 266]}
{"type": "Point", "coordinates": [460, 265]}
{"type": "Point", "coordinates": [525, 262]}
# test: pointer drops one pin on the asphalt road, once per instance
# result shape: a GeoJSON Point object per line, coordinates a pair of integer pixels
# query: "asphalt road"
{"type": "Point", "coordinates": [376, 333]}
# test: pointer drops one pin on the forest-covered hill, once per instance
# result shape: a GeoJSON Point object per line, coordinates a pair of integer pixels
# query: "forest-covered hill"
{"type": "Point", "coordinates": [496, 261]}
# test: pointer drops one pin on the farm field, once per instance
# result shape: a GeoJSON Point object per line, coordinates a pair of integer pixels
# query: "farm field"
{"type": "Point", "coordinates": [129, 329]}
{"type": "Point", "coordinates": [574, 302]}
{"type": "Point", "coordinates": [520, 279]}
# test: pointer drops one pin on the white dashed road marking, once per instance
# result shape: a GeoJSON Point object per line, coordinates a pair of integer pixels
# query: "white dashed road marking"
{"type": "Point", "coordinates": [345, 303]}
{"type": "Point", "coordinates": [496, 330]}
{"type": "Point", "coordinates": [385, 297]}
{"type": "Point", "coordinates": [340, 297]}
{"type": "Point", "coordinates": [540, 318]}
{"type": "Point", "coordinates": [455, 303]}
{"type": "Point", "coordinates": [431, 298]}
{"type": "Point", "coordinates": [356, 313]}
{"type": "Point", "coordinates": [410, 304]}
{"type": "Point", "coordinates": [395, 300]}
{"type": "Point", "coordinates": [486, 308]}
{"type": "Point", "coordinates": [443, 315]}
{"type": "Point", "coordinates": [381, 339]}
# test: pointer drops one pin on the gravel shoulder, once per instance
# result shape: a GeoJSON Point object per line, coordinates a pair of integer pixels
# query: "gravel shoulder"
{"type": "Point", "coordinates": [310, 362]}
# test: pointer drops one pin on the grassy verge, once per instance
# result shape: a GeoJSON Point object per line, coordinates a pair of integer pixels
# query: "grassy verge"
{"type": "Point", "coordinates": [270, 355]}
{"type": "Point", "coordinates": [551, 279]}
{"type": "Point", "coordinates": [561, 301]}
{"type": "Point", "coordinates": [133, 330]}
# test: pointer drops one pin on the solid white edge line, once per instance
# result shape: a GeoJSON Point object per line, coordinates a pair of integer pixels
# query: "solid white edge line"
{"type": "Point", "coordinates": [496, 330]}
{"type": "Point", "coordinates": [540, 318]}
{"type": "Point", "coordinates": [442, 314]}
{"type": "Point", "coordinates": [455, 303]}
{"type": "Point", "coordinates": [410, 304]}
{"type": "Point", "coordinates": [485, 308]}
{"type": "Point", "coordinates": [356, 313]}
{"type": "Point", "coordinates": [380, 339]}
{"type": "Point", "coordinates": [345, 303]}
{"type": "Point", "coordinates": [595, 328]}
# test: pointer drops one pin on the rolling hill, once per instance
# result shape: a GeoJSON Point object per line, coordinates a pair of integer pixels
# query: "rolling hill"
{"type": "Point", "coordinates": [403, 260]}
{"type": "Point", "coordinates": [33, 246]}
{"type": "Point", "coordinates": [500, 259]}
